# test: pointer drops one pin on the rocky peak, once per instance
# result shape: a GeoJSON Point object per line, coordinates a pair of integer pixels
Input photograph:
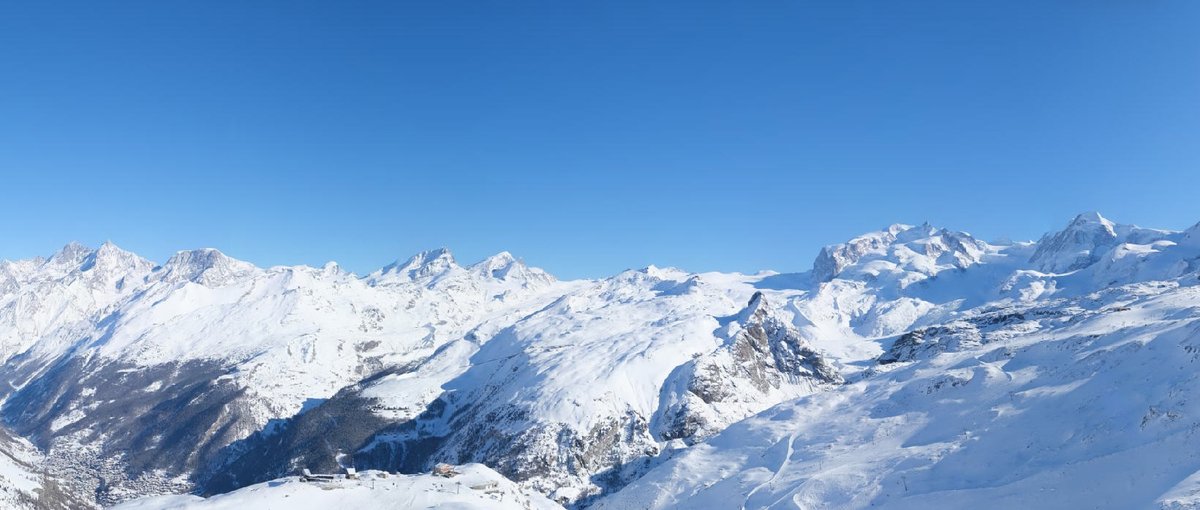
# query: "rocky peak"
{"type": "Point", "coordinates": [756, 309]}
{"type": "Point", "coordinates": [70, 256]}
{"type": "Point", "coordinates": [14, 271]}
{"type": "Point", "coordinates": [503, 266]}
{"type": "Point", "coordinates": [109, 264]}
{"type": "Point", "coordinates": [206, 266]}
{"type": "Point", "coordinates": [422, 265]}
{"type": "Point", "coordinates": [1077, 246]}
{"type": "Point", "coordinates": [1191, 237]}
{"type": "Point", "coordinates": [497, 265]}
{"type": "Point", "coordinates": [764, 362]}
{"type": "Point", "coordinates": [775, 343]}
{"type": "Point", "coordinates": [833, 259]}
{"type": "Point", "coordinates": [110, 257]}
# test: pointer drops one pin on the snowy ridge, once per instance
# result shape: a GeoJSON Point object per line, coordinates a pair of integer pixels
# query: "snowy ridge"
{"type": "Point", "coordinates": [422, 265]}
{"type": "Point", "coordinates": [264, 341]}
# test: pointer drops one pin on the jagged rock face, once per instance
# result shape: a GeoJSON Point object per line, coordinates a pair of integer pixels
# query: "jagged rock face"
{"type": "Point", "coordinates": [833, 259]}
{"type": "Point", "coordinates": [557, 458]}
{"type": "Point", "coordinates": [790, 358]}
{"type": "Point", "coordinates": [764, 362]}
{"type": "Point", "coordinates": [976, 330]}
{"type": "Point", "coordinates": [927, 341]}
{"type": "Point", "coordinates": [549, 456]}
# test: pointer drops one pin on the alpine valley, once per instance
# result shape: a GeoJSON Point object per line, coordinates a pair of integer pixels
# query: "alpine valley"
{"type": "Point", "coordinates": [913, 367]}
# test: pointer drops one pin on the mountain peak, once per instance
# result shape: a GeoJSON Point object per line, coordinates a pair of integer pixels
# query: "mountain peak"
{"type": "Point", "coordinates": [835, 258]}
{"type": "Point", "coordinates": [503, 257]}
{"type": "Point", "coordinates": [756, 308]}
{"type": "Point", "coordinates": [916, 251]}
{"type": "Point", "coordinates": [1076, 246]}
{"type": "Point", "coordinates": [110, 250]}
{"type": "Point", "coordinates": [504, 266]}
{"type": "Point", "coordinates": [1091, 218]}
{"type": "Point", "coordinates": [206, 266]}
{"type": "Point", "coordinates": [424, 264]}
{"type": "Point", "coordinates": [72, 254]}
{"type": "Point", "coordinates": [110, 260]}
{"type": "Point", "coordinates": [441, 252]}
{"type": "Point", "coordinates": [1191, 236]}
{"type": "Point", "coordinates": [497, 265]}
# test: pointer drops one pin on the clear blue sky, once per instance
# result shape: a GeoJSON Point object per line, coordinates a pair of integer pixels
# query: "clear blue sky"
{"type": "Point", "coordinates": [587, 137]}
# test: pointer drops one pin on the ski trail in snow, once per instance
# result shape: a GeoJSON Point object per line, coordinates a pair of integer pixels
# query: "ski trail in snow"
{"type": "Point", "coordinates": [791, 441]}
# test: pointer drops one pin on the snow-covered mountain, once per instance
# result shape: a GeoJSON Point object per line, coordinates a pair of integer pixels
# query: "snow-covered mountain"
{"type": "Point", "coordinates": [911, 367]}
{"type": "Point", "coordinates": [150, 376]}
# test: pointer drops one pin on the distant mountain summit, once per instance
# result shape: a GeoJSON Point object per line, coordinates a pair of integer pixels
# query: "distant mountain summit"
{"type": "Point", "coordinates": [899, 249]}
{"type": "Point", "coordinates": [422, 265]}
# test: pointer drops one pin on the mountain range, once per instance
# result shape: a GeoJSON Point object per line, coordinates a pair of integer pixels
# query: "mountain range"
{"type": "Point", "coordinates": [911, 367]}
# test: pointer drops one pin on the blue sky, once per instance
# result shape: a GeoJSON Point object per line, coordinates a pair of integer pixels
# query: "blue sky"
{"type": "Point", "coordinates": [587, 137]}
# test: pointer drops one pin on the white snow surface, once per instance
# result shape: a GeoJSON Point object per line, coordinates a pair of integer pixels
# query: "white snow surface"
{"type": "Point", "coordinates": [1089, 408]}
{"type": "Point", "coordinates": [476, 487]}
{"type": "Point", "coordinates": [1063, 380]}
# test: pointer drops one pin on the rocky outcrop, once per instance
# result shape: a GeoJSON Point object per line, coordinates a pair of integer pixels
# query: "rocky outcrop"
{"type": "Point", "coordinates": [972, 331]}
{"type": "Point", "coordinates": [764, 362]}
{"type": "Point", "coordinates": [831, 260]}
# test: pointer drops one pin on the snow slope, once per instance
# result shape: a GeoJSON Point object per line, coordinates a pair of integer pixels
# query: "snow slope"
{"type": "Point", "coordinates": [1071, 393]}
{"type": "Point", "coordinates": [476, 488]}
